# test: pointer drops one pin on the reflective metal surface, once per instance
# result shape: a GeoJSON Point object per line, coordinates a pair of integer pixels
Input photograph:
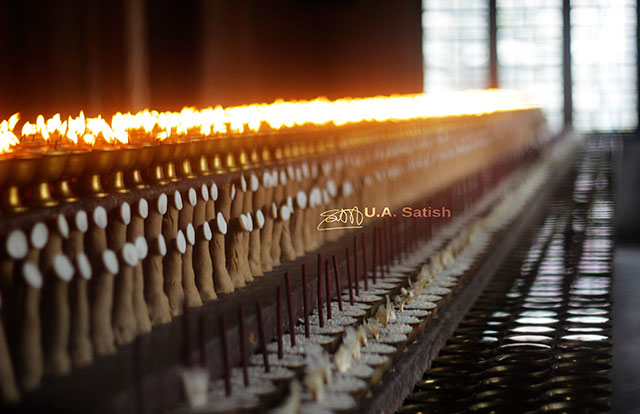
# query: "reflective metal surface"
{"type": "Point", "coordinates": [538, 339]}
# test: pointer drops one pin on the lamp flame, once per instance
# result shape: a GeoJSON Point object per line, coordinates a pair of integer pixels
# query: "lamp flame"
{"type": "Point", "coordinates": [76, 127]}
{"type": "Point", "coordinates": [7, 138]}
{"type": "Point", "coordinates": [148, 125]}
{"type": "Point", "coordinates": [98, 127]}
{"type": "Point", "coordinates": [41, 127]}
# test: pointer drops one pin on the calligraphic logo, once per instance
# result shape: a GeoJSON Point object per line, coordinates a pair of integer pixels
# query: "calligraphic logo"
{"type": "Point", "coordinates": [341, 218]}
{"type": "Point", "coordinates": [353, 218]}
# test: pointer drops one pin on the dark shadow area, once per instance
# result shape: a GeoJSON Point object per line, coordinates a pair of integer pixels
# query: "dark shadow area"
{"type": "Point", "coordinates": [628, 191]}
{"type": "Point", "coordinates": [96, 55]}
{"type": "Point", "coordinates": [626, 290]}
{"type": "Point", "coordinates": [626, 332]}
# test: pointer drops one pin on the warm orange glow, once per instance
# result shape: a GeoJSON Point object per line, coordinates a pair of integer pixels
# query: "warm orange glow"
{"type": "Point", "coordinates": [55, 124]}
{"type": "Point", "coordinates": [29, 129]}
{"type": "Point", "coordinates": [76, 127]}
{"type": "Point", "coordinates": [13, 120]}
{"type": "Point", "coordinates": [89, 139]}
{"type": "Point", "coordinates": [212, 121]}
{"type": "Point", "coordinates": [98, 127]}
{"type": "Point", "coordinates": [150, 125]}
{"type": "Point", "coordinates": [41, 127]}
{"type": "Point", "coordinates": [7, 138]}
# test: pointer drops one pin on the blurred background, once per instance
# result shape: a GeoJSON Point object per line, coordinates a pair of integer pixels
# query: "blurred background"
{"type": "Point", "coordinates": [603, 54]}
{"type": "Point", "coordinates": [123, 55]}
{"type": "Point", "coordinates": [578, 58]}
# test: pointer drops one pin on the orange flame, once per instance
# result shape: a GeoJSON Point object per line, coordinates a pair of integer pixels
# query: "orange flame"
{"type": "Point", "coordinates": [29, 129]}
{"type": "Point", "coordinates": [98, 127]}
{"type": "Point", "coordinates": [7, 138]}
{"type": "Point", "coordinates": [41, 127]}
{"type": "Point", "coordinates": [56, 127]}
{"type": "Point", "coordinates": [153, 125]}
{"type": "Point", "coordinates": [89, 139]}
{"type": "Point", "coordinates": [13, 120]}
{"type": "Point", "coordinates": [76, 127]}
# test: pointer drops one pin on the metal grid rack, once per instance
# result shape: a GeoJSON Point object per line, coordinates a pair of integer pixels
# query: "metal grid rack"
{"type": "Point", "coordinates": [538, 339]}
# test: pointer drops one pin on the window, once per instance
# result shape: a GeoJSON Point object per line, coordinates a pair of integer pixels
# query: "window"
{"type": "Point", "coordinates": [603, 50]}
{"type": "Point", "coordinates": [530, 46]}
{"type": "Point", "coordinates": [455, 39]}
{"type": "Point", "coordinates": [530, 53]}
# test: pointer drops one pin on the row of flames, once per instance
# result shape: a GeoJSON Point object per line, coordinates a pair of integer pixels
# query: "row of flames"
{"type": "Point", "coordinates": [149, 126]}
